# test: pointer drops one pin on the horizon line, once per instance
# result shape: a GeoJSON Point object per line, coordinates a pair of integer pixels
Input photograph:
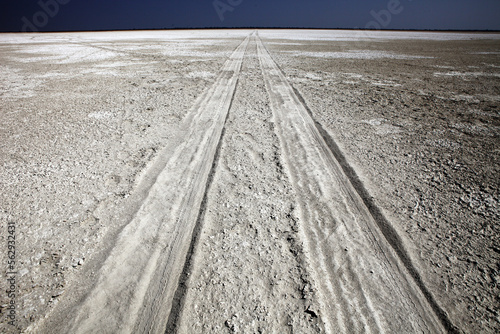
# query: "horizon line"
{"type": "Point", "coordinates": [250, 27]}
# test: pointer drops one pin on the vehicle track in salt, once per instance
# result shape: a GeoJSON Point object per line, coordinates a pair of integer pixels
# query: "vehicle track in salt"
{"type": "Point", "coordinates": [363, 284]}
{"type": "Point", "coordinates": [248, 273]}
{"type": "Point", "coordinates": [138, 280]}
{"type": "Point", "coordinates": [346, 279]}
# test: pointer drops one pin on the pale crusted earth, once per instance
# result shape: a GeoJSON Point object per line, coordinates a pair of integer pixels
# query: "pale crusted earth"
{"type": "Point", "coordinates": [423, 135]}
{"type": "Point", "coordinates": [249, 272]}
{"type": "Point", "coordinates": [86, 116]}
{"type": "Point", "coordinates": [77, 132]}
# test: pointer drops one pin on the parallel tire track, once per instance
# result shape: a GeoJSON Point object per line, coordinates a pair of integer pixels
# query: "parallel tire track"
{"type": "Point", "coordinates": [138, 280]}
{"type": "Point", "coordinates": [363, 284]}
{"type": "Point", "coordinates": [248, 271]}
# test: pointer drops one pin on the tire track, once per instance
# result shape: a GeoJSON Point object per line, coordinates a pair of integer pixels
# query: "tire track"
{"type": "Point", "coordinates": [138, 280]}
{"type": "Point", "coordinates": [248, 272]}
{"type": "Point", "coordinates": [364, 286]}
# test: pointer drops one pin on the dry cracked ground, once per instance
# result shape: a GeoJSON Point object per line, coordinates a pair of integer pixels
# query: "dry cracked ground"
{"type": "Point", "coordinates": [270, 181]}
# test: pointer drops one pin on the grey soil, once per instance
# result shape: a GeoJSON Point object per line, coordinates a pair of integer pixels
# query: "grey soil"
{"type": "Point", "coordinates": [359, 167]}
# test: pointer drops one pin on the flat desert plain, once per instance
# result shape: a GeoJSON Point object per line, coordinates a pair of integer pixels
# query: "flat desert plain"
{"type": "Point", "coordinates": [239, 181]}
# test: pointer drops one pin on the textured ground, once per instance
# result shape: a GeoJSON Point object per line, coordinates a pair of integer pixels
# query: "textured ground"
{"type": "Point", "coordinates": [423, 135]}
{"type": "Point", "coordinates": [407, 127]}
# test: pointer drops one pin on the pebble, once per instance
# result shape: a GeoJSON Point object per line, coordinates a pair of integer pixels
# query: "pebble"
{"type": "Point", "coordinates": [57, 293]}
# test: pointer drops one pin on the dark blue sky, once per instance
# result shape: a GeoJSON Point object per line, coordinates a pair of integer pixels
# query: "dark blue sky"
{"type": "Point", "coordinates": [62, 15]}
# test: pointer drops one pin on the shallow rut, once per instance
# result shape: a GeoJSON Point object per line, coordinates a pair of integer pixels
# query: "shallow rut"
{"type": "Point", "coordinates": [137, 281]}
{"type": "Point", "coordinates": [248, 274]}
{"type": "Point", "coordinates": [363, 285]}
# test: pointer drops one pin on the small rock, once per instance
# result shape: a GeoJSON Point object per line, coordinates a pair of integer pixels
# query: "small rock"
{"type": "Point", "coordinates": [311, 312]}
{"type": "Point", "coordinates": [57, 293]}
